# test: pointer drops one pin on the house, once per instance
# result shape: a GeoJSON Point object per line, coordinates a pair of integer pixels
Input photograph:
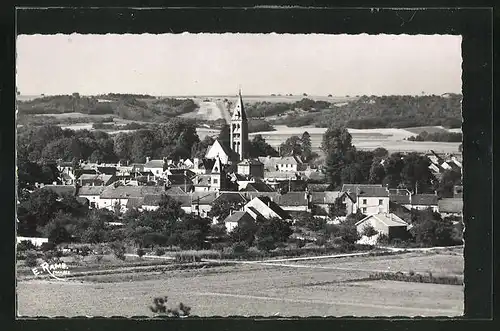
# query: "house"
{"type": "Point", "coordinates": [423, 201]}
{"type": "Point", "coordinates": [400, 196]}
{"type": "Point", "coordinates": [294, 201]}
{"type": "Point", "coordinates": [368, 199]}
{"type": "Point", "coordinates": [96, 180]}
{"type": "Point", "coordinates": [175, 190]}
{"type": "Point", "coordinates": [311, 187]}
{"type": "Point", "coordinates": [213, 180]}
{"type": "Point", "coordinates": [156, 167]}
{"type": "Point", "coordinates": [248, 195]}
{"type": "Point", "coordinates": [266, 207]}
{"type": "Point", "coordinates": [236, 218]}
{"type": "Point", "coordinates": [106, 169]}
{"type": "Point", "coordinates": [201, 202]}
{"type": "Point", "coordinates": [91, 193]}
{"type": "Point", "coordinates": [116, 195]}
{"type": "Point", "coordinates": [251, 167]}
{"type": "Point", "coordinates": [324, 200]}
{"type": "Point", "coordinates": [451, 207]}
{"type": "Point", "coordinates": [232, 197]}
{"type": "Point", "coordinates": [384, 223]}
{"type": "Point", "coordinates": [176, 179]}
{"type": "Point", "coordinates": [288, 164]}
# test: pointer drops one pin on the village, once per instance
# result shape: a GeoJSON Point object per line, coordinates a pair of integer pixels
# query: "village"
{"type": "Point", "coordinates": [264, 187]}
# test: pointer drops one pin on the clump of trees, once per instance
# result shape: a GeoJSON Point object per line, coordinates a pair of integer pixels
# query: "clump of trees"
{"type": "Point", "coordinates": [437, 136]}
{"type": "Point", "coordinates": [369, 112]}
{"type": "Point", "coordinates": [299, 146]}
{"type": "Point", "coordinates": [160, 307]}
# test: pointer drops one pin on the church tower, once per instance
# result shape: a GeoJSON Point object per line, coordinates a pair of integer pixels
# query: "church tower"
{"type": "Point", "coordinates": [239, 130]}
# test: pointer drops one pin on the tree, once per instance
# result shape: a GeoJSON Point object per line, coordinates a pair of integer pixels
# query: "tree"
{"type": "Point", "coordinates": [416, 175]}
{"type": "Point", "coordinates": [259, 147]}
{"type": "Point", "coordinates": [272, 231]}
{"type": "Point", "coordinates": [351, 174]}
{"type": "Point", "coordinates": [191, 232]}
{"type": "Point", "coordinates": [380, 152]}
{"type": "Point", "coordinates": [36, 211]}
{"type": "Point", "coordinates": [244, 233]}
{"type": "Point", "coordinates": [337, 145]}
{"type": "Point", "coordinates": [338, 208]}
{"type": "Point", "coordinates": [160, 308]}
{"type": "Point", "coordinates": [449, 179]}
{"type": "Point", "coordinates": [377, 173]}
{"type": "Point", "coordinates": [291, 147]}
{"type": "Point", "coordinates": [60, 228]}
{"type": "Point", "coordinates": [306, 147]}
{"type": "Point", "coordinates": [434, 231]}
{"type": "Point", "coordinates": [222, 207]}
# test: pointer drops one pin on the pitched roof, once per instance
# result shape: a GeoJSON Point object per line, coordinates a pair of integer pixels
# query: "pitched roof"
{"type": "Point", "coordinates": [154, 164]}
{"type": "Point", "coordinates": [179, 179]}
{"type": "Point", "coordinates": [151, 200]}
{"type": "Point", "coordinates": [324, 197]}
{"type": "Point", "coordinates": [318, 187]}
{"type": "Point", "coordinates": [362, 190]}
{"type": "Point", "coordinates": [238, 216]}
{"type": "Point", "coordinates": [223, 147]}
{"type": "Point", "coordinates": [293, 199]}
{"type": "Point", "coordinates": [281, 175]}
{"type": "Point", "coordinates": [451, 205]}
{"type": "Point", "coordinates": [99, 177]}
{"type": "Point", "coordinates": [185, 199]}
{"type": "Point", "coordinates": [125, 192]}
{"type": "Point", "coordinates": [177, 171]}
{"type": "Point", "coordinates": [387, 219]}
{"type": "Point", "coordinates": [204, 197]}
{"type": "Point", "coordinates": [91, 190]}
{"type": "Point", "coordinates": [250, 195]}
{"type": "Point", "coordinates": [235, 197]}
{"type": "Point", "coordinates": [61, 189]}
{"type": "Point", "coordinates": [424, 199]}
{"type": "Point", "coordinates": [257, 187]}
{"type": "Point", "coordinates": [289, 160]}
{"type": "Point", "coordinates": [274, 207]}
{"type": "Point", "coordinates": [108, 170]}
{"type": "Point", "coordinates": [134, 202]}
{"type": "Point", "coordinates": [175, 190]}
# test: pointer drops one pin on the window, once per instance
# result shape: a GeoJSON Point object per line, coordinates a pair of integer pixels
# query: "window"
{"type": "Point", "coordinates": [380, 202]}
{"type": "Point", "coordinates": [215, 181]}
{"type": "Point", "coordinates": [363, 210]}
{"type": "Point", "coordinates": [364, 201]}
{"type": "Point", "coordinates": [157, 172]}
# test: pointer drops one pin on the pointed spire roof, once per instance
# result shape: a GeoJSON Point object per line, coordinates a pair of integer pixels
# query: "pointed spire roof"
{"type": "Point", "coordinates": [217, 166]}
{"type": "Point", "coordinates": [239, 110]}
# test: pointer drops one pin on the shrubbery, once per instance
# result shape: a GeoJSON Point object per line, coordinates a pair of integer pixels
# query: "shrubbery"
{"type": "Point", "coordinates": [31, 259]}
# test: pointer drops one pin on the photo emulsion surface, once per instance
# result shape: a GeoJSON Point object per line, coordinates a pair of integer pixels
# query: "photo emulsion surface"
{"type": "Point", "coordinates": [239, 175]}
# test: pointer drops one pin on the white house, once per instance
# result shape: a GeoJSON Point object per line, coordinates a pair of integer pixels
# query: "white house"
{"type": "Point", "coordinates": [266, 207]}
{"type": "Point", "coordinates": [155, 167]}
{"type": "Point", "coordinates": [368, 199]}
{"type": "Point", "coordinates": [288, 164]}
{"type": "Point", "coordinates": [384, 223]}
{"type": "Point", "coordinates": [236, 218]}
{"type": "Point", "coordinates": [117, 196]}
{"type": "Point", "coordinates": [93, 194]}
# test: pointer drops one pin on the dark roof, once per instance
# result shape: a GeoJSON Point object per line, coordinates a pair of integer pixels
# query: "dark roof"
{"type": "Point", "coordinates": [187, 172]}
{"type": "Point", "coordinates": [83, 201]}
{"type": "Point", "coordinates": [366, 190]}
{"type": "Point", "coordinates": [107, 170]}
{"type": "Point", "coordinates": [185, 200]}
{"type": "Point", "coordinates": [238, 216]}
{"type": "Point", "coordinates": [176, 190]}
{"type": "Point", "coordinates": [257, 187]}
{"type": "Point", "coordinates": [204, 197]}
{"type": "Point", "coordinates": [91, 190]}
{"type": "Point", "coordinates": [250, 195]}
{"type": "Point", "coordinates": [208, 164]}
{"type": "Point", "coordinates": [318, 187]}
{"type": "Point", "coordinates": [232, 196]}
{"type": "Point", "coordinates": [112, 192]}
{"type": "Point", "coordinates": [134, 202]}
{"type": "Point", "coordinates": [274, 207]}
{"type": "Point", "coordinates": [151, 200]}
{"type": "Point", "coordinates": [293, 199]}
{"type": "Point", "coordinates": [324, 197]}
{"type": "Point", "coordinates": [424, 199]}
{"type": "Point", "coordinates": [61, 189]}
{"type": "Point", "coordinates": [179, 179]}
{"type": "Point", "coordinates": [451, 205]}
{"type": "Point", "coordinates": [400, 199]}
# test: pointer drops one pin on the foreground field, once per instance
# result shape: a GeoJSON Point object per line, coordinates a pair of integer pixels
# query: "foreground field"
{"type": "Point", "coordinates": [338, 288]}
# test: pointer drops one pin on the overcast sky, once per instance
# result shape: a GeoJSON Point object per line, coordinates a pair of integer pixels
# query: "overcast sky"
{"type": "Point", "coordinates": [208, 64]}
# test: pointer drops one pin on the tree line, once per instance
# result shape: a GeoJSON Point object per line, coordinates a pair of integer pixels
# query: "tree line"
{"type": "Point", "coordinates": [385, 112]}
{"type": "Point", "coordinates": [437, 136]}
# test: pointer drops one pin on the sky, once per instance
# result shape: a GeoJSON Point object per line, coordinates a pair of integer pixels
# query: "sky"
{"type": "Point", "coordinates": [220, 64]}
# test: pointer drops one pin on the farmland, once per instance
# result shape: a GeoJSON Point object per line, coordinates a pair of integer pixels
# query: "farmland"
{"type": "Point", "coordinates": [332, 287]}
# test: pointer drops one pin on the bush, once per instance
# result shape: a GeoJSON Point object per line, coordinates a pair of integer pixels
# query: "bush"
{"type": "Point", "coordinates": [47, 246]}
{"type": "Point", "coordinates": [31, 259]}
{"type": "Point", "coordinates": [160, 251]}
{"type": "Point", "coordinates": [84, 251]}
{"type": "Point", "coordinates": [118, 250]}
{"type": "Point", "coordinates": [25, 245]}
{"type": "Point", "coordinates": [369, 231]}
{"type": "Point", "coordinates": [383, 239]}
{"type": "Point", "coordinates": [140, 252]}
{"type": "Point", "coordinates": [239, 248]}
{"type": "Point", "coordinates": [161, 308]}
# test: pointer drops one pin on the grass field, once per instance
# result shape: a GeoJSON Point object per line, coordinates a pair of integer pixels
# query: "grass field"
{"type": "Point", "coordinates": [339, 288]}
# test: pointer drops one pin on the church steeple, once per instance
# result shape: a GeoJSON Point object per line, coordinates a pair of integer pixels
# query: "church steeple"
{"type": "Point", "coordinates": [239, 129]}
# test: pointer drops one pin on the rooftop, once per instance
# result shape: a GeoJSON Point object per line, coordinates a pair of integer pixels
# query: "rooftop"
{"type": "Point", "coordinates": [424, 199]}
{"type": "Point", "coordinates": [451, 205]}
{"type": "Point", "coordinates": [388, 219]}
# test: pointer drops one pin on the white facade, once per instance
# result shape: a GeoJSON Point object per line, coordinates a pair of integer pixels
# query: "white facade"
{"type": "Point", "coordinates": [372, 205]}
{"type": "Point", "coordinates": [217, 151]}
{"type": "Point", "coordinates": [109, 204]}
{"type": "Point", "coordinates": [261, 207]}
